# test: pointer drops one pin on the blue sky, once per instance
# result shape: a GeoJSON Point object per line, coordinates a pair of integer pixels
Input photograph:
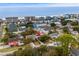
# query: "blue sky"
{"type": "Point", "coordinates": [36, 9]}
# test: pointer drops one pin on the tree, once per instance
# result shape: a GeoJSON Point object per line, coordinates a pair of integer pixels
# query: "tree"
{"type": "Point", "coordinates": [74, 23]}
{"type": "Point", "coordinates": [65, 40]}
{"type": "Point", "coordinates": [28, 51]}
{"type": "Point", "coordinates": [65, 29]}
{"type": "Point", "coordinates": [35, 52]}
{"type": "Point", "coordinates": [43, 38]}
{"type": "Point", "coordinates": [23, 34]}
{"type": "Point", "coordinates": [5, 40]}
{"type": "Point", "coordinates": [53, 24]}
{"type": "Point", "coordinates": [76, 28]}
{"type": "Point", "coordinates": [29, 24]}
{"type": "Point", "coordinates": [43, 48]}
{"type": "Point", "coordinates": [7, 33]}
{"type": "Point", "coordinates": [62, 18]}
{"type": "Point", "coordinates": [50, 32]}
{"type": "Point", "coordinates": [19, 52]}
{"type": "Point", "coordinates": [27, 41]}
{"type": "Point", "coordinates": [64, 22]}
{"type": "Point", "coordinates": [30, 31]}
{"type": "Point", "coordinates": [6, 29]}
{"type": "Point", "coordinates": [59, 51]}
{"type": "Point", "coordinates": [50, 52]}
{"type": "Point", "coordinates": [40, 51]}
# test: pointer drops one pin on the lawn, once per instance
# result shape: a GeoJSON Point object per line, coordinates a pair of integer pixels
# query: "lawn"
{"type": "Point", "coordinates": [8, 49]}
{"type": "Point", "coordinates": [11, 48]}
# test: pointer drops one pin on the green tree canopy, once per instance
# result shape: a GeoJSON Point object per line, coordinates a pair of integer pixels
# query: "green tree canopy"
{"type": "Point", "coordinates": [65, 40]}
{"type": "Point", "coordinates": [65, 30]}
{"type": "Point", "coordinates": [27, 41]}
{"type": "Point", "coordinates": [53, 24]}
{"type": "Point", "coordinates": [43, 38]}
{"type": "Point", "coordinates": [5, 40]}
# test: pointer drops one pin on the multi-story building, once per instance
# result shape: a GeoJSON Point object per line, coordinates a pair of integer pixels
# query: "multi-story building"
{"type": "Point", "coordinates": [12, 27]}
{"type": "Point", "coordinates": [12, 19]}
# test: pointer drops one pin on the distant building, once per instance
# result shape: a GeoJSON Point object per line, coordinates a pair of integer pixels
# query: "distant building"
{"type": "Point", "coordinates": [22, 28]}
{"type": "Point", "coordinates": [55, 19]}
{"type": "Point", "coordinates": [12, 27]}
{"type": "Point", "coordinates": [29, 18]}
{"type": "Point", "coordinates": [11, 19]}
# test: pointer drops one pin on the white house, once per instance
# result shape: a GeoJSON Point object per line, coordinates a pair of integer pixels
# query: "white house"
{"type": "Point", "coordinates": [74, 32]}
{"type": "Point", "coordinates": [54, 35]}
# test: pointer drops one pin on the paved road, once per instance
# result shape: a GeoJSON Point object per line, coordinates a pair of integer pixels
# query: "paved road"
{"type": "Point", "coordinates": [74, 52]}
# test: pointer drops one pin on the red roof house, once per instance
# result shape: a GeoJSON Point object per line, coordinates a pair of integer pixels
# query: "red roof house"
{"type": "Point", "coordinates": [13, 43]}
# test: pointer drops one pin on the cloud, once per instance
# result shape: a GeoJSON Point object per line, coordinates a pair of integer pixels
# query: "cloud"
{"type": "Point", "coordinates": [63, 4]}
{"type": "Point", "coordinates": [39, 5]}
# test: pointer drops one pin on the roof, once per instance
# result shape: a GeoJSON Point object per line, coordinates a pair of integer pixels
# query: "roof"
{"type": "Point", "coordinates": [13, 43]}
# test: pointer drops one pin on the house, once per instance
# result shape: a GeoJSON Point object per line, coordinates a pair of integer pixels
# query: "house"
{"type": "Point", "coordinates": [39, 25]}
{"type": "Point", "coordinates": [74, 19]}
{"type": "Point", "coordinates": [13, 43]}
{"type": "Point", "coordinates": [54, 35]}
{"type": "Point", "coordinates": [19, 36]}
{"type": "Point", "coordinates": [54, 44]}
{"type": "Point", "coordinates": [55, 19]}
{"type": "Point", "coordinates": [21, 29]}
{"type": "Point", "coordinates": [74, 32]}
{"type": "Point", "coordinates": [31, 36]}
{"type": "Point", "coordinates": [39, 33]}
{"type": "Point", "coordinates": [45, 31]}
{"type": "Point", "coordinates": [58, 24]}
{"type": "Point", "coordinates": [20, 43]}
{"type": "Point", "coordinates": [42, 30]}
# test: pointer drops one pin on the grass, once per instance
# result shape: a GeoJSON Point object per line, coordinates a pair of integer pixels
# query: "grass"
{"type": "Point", "coordinates": [11, 48]}
{"type": "Point", "coordinates": [8, 49]}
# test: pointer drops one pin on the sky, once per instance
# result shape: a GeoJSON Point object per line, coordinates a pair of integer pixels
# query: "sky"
{"type": "Point", "coordinates": [36, 9]}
